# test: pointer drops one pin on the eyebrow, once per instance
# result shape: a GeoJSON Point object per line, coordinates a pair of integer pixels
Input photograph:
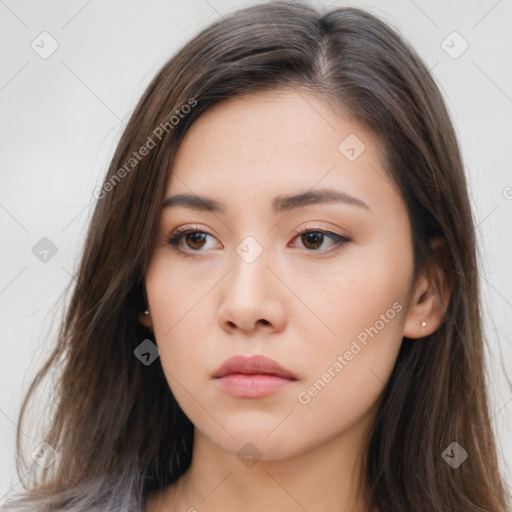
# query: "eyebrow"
{"type": "Point", "coordinates": [279, 204]}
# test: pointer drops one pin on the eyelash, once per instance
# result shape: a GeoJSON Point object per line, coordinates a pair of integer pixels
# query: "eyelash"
{"type": "Point", "coordinates": [338, 240]}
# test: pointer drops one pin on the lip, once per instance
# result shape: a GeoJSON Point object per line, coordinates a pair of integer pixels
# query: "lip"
{"type": "Point", "coordinates": [252, 377]}
{"type": "Point", "coordinates": [255, 365]}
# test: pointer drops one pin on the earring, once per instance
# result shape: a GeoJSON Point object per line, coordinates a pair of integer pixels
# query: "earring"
{"type": "Point", "coordinates": [146, 312]}
{"type": "Point", "coordinates": [423, 324]}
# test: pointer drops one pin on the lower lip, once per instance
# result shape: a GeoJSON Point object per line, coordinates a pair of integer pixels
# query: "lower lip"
{"type": "Point", "coordinates": [252, 386]}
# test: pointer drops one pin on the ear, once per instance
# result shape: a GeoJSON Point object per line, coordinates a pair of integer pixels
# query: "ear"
{"type": "Point", "coordinates": [431, 294]}
{"type": "Point", "coordinates": [145, 320]}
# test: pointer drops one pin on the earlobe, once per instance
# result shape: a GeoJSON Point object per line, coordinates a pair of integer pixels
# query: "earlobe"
{"type": "Point", "coordinates": [145, 320]}
{"type": "Point", "coordinates": [420, 320]}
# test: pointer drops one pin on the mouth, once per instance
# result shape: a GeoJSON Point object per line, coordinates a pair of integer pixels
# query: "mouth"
{"type": "Point", "coordinates": [253, 377]}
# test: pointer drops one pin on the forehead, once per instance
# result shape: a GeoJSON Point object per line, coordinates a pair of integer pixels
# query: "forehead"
{"type": "Point", "coordinates": [254, 148]}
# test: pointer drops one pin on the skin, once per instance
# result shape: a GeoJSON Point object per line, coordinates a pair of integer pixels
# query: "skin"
{"type": "Point", "coordinates": [314, 296]}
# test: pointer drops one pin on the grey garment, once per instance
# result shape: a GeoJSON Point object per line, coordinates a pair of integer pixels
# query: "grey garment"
{"type": "Point", "coordinates": [100, 495]}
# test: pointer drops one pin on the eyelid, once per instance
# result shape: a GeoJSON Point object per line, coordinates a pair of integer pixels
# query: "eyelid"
{"type": "Point", "coordinates": [323, 228]}
{"type": "Point", "coordinates": [184, 230]}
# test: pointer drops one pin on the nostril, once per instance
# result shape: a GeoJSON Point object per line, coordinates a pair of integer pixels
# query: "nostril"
{"type": "Point", "coordinates": [262, 321]}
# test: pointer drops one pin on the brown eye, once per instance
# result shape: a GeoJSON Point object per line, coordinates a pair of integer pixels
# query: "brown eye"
{"type": "Point", "coordinates": [194, 239]}
{"type": "Point", "coordinates": [313, 239]}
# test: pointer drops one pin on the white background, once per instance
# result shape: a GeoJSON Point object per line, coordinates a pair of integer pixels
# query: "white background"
{"type": "Point", "coordinates": [60, 119]}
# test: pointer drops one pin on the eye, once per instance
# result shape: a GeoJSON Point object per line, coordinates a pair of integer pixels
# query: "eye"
{"type": "Point", "coordinates": [313, 238]}
{"type": "Point", "coordinates": [193, 237]}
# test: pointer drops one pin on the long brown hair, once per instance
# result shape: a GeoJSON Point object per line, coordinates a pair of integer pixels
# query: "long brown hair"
{"type": "Point", "coordinates": [115, 424]}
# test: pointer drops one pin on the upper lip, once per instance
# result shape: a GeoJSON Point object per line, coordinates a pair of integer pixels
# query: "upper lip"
{"type": "Point", "coordinates": [253, 365]}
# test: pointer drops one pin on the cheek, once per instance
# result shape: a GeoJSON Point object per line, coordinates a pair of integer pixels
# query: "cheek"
{"type": "Point", "coordinates": [179, 312]}
{"type": "Point", "coordinates": [175, 294]}
{"type": "Point", "coordinates": [363, 307]}
{"type": "Point", "coordinates": [349, 370]}
{"type": "Point", "coordinates": [351, 366]}
{"type": "Point", "coordinates": [351, 297]}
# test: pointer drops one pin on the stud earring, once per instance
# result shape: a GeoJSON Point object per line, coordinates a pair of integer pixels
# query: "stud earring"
{"type": "Point", "coordinates": [423, 324]}
{"type": "Point", "coordinates": [146, 312]}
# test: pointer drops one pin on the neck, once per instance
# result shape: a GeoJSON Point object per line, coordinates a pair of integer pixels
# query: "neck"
{"type": "Point", "coordinates": [325, 477]}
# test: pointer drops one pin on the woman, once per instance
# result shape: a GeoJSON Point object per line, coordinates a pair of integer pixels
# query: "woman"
{"type": "Point", "coordinates": [277, 305]}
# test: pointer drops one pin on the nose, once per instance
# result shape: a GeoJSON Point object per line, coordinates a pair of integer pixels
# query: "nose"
{"type": "Point", "coordinates": [253, 298]}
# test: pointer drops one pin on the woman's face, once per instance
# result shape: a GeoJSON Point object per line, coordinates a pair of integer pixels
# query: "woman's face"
{"type": "Point", "coordinates": [328, 307]}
